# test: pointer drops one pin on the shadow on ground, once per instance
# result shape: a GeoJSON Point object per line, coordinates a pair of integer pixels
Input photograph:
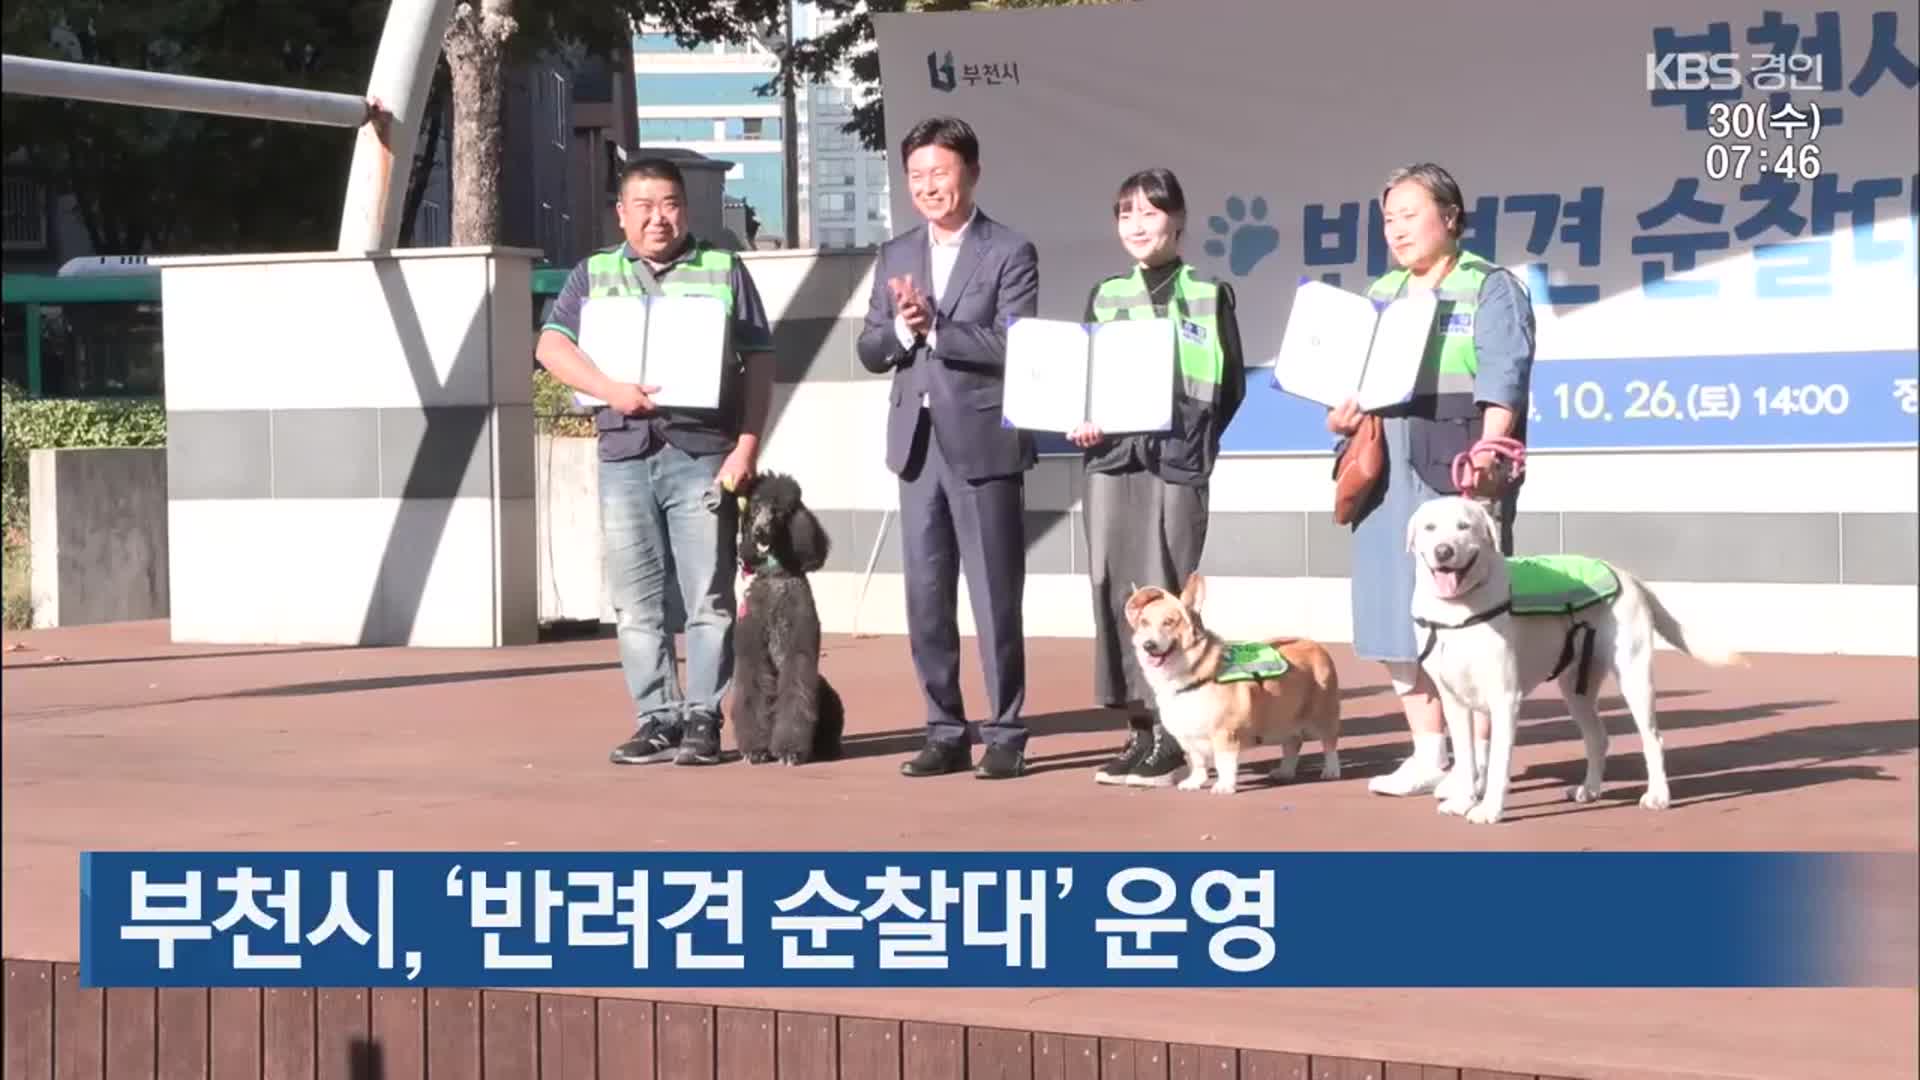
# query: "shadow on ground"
{"type": "Point", "coordinates": [1772, 762]}
{"type": "Point", "coordinates": [224, 655]}
{"type": "Point", "coordinates": [1768, 762]}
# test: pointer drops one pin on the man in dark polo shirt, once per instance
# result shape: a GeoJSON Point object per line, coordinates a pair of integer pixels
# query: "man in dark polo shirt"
{"type": "Point", "coordinates": [659, 467]}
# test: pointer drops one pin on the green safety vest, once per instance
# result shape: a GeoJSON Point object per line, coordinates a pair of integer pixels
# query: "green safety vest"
{"type": "Point", "coordinates": [708, 271]}
{"type": "Point", "coordinates": [1547, 585]}
{"type": "Point", "coordinates": [1251, 661]}
{"type": "Point", "coordinates": [1195, 310]}
{"type": "Point", "coordinates": [1559, 584]}
{"type": "Point", "coordinates": [1450, 354]}
{"type": "Point", "coordinates": [705, 271]}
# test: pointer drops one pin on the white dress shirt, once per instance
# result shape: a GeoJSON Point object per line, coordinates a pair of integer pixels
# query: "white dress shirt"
{"type": "Point", "coordinates": [942, 254]}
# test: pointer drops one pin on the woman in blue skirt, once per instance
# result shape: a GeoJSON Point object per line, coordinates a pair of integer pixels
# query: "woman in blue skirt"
{"type": "Point", "coordinates": [1473, 385]}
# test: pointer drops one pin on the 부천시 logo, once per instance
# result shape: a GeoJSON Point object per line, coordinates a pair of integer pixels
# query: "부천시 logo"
{"type": "Point", "coordinates": [940, 71]}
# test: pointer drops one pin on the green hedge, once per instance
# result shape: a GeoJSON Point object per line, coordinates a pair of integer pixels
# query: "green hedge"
{"type": "Point", "coordinates": [59, 423]}
{"type": "Point", "coordinates": [554, 412]}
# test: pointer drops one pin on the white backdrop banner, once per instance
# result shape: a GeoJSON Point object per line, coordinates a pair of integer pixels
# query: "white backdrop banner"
{"type": "Point", "coordinates": [1715, 211]}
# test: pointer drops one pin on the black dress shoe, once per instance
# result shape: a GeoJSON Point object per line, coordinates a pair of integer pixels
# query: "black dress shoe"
{"type": "Point", "coordinates": [1001, 763]}
{"type": "Point", "coordinates": [937, 760]}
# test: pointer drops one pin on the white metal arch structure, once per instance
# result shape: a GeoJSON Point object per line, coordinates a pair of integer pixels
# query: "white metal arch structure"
{"type": "Point", "coordinates": [388, 117]}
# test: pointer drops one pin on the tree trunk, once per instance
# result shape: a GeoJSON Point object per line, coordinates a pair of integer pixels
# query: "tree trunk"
{"type": "Point", "coordinates": [475, 47]}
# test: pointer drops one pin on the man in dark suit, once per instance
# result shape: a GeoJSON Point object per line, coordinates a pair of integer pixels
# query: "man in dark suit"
{"type": "Point", "coordinates": [942, 294]}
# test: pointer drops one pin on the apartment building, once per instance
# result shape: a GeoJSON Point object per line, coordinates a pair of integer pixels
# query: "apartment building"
{"type": "Point", "coordinates": [705, 99]}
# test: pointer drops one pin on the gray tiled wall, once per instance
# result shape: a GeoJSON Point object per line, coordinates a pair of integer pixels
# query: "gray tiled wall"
{"type": "Point", "coordinates": [432, 452]}
{"type": "Point", "coordinates": [1855, 549]}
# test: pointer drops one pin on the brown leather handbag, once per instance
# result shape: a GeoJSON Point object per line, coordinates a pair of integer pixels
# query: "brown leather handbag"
{"type": "Point", "coordinates": [1357, 471]}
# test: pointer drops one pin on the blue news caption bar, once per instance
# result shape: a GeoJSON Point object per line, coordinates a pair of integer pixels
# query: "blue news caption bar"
{"type": "Point", "coordinates": [965, 919]}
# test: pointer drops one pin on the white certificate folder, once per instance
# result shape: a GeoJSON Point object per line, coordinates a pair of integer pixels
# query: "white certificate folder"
{"type": "Point", "coordinates": [1117, 376]}
{"type": "Point", "coordinates": [681, 344]}
{"type": "Point", "coordinates": [1341, 345]}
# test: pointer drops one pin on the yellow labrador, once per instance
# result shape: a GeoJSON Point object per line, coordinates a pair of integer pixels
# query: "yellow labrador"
{"type": "Point", "coordinates": [1486, 645]}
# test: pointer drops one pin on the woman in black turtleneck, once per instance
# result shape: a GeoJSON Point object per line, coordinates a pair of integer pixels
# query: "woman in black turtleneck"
{"type": "Point", "coordinates": [1146, 494]}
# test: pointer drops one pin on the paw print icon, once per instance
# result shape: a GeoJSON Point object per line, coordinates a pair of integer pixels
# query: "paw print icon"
{"type": "Point", "coordinates": [1242, 235]}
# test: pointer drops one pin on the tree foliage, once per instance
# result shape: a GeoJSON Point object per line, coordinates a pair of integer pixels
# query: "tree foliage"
{"type": "Point", "coordinates": [159, 180]}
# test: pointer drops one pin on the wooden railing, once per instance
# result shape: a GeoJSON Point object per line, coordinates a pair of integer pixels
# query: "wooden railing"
{"type": "Point", "coordinates": [55, 1028]}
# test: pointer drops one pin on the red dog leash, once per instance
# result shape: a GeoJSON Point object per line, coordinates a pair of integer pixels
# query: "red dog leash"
{"type": "Point", "coordinates": [1467, 477]}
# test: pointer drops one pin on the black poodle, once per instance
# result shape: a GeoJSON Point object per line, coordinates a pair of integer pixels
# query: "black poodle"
{"type": "Point", "coordinates": [785, 708]}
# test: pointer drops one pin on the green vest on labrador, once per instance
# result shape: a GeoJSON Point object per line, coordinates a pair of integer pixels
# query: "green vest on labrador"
{"type": "Point", "coordinates": [1559, 584]}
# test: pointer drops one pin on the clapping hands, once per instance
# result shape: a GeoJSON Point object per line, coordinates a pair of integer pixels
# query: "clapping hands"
{"type": "Point", "coordinates": [912, 307]}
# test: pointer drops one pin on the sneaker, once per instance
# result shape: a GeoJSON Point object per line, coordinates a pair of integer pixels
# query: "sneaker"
{"type": "Point", "coordinates": [936, 759]}
{"type": "Point", "coordinates": [1163, 759]}
{"type": "Point", "coordinates": [655, 741]}
{"type": "Point", "coordinates": [1139, 741]}
{"type": "Point", "coordinates": [701, 746]}
{"type": "Point", "coordinates": [1415, 776]}
{"type": "Point", "coordinates": [1001, 763]}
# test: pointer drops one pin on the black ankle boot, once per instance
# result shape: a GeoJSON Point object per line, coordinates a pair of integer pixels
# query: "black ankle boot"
{"type": "Point", "coordinates": [1163, 759]}
{"type": "Point", "coordinates": [1139, 742]}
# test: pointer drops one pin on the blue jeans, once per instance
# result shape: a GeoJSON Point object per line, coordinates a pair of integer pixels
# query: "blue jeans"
{"type": "Point", "coordinates": [652, 517]}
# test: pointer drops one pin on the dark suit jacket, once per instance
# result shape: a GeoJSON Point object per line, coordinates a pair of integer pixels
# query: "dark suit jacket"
{"type": "Point", "coordinates": [995, 277]}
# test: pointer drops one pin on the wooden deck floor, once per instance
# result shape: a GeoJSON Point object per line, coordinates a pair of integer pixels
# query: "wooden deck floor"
{"type": "Point", "coordinates": [114, 737]}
